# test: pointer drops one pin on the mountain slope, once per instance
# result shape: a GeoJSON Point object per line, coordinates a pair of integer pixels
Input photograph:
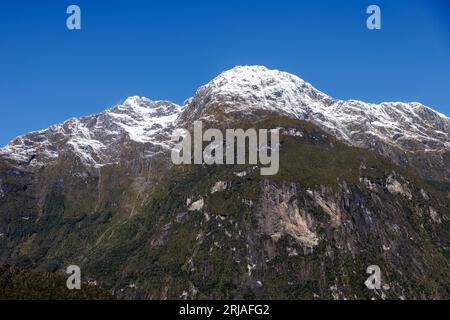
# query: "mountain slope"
{"type": "Point", "coordinates": [359, 184]}
{"type": "Point", "coordinates": [410, 134]}
{"type": "Point", "coordinates": [97, 139]}
{"type": "Point", "coordinates": [309, 232]}
{"type": "Point", "coordinates": [407, 133]}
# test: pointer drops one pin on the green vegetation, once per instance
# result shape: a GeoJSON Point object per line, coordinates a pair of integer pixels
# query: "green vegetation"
{"type": "Point", "coordinates": [164, 250]}
{"type": "Point", "coordinates": [19, 284]}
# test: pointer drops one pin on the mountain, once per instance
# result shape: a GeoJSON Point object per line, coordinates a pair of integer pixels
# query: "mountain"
{"type": "Point", "coordinates": [98, 139]}
{"type": "Point", "coordinates": [359, 184]}
{"type": "Point", "coordinates": [404, 132]}
{"type": "Point", "coordinates": [410, 134]}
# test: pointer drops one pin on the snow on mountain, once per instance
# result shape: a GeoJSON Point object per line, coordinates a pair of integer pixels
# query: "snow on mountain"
{"type": "Point", "coordinates": [244, 89]}
{"type": "Point", "coordinates": [96, 139]}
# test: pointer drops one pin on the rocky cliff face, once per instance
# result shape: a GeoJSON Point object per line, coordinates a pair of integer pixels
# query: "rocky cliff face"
{"type": "Point", "coordinates": [309, 232]}
{"type": "Point", "coordinates": [359, 184]}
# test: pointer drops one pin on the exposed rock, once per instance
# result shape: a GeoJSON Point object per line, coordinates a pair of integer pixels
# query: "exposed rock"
{"type": "Point", "coordinates": [435, 216]}
{"type": "Point", "coordinates": [197, 205]}
{"type": "Point", "coordinates": [394, 186]}
{"type": "Point", "coordinates": [219, 187]}
{"type": "Point", "coordinates": [240, 174]}
{"type": "Point", "coordinates": [290, 132]}
{"type": "Point", "coordinates": [424, 194]}
{"type": "Point", "coordinates": [330, 207]}
{"type": "Point", "coordinates": [278, 214]}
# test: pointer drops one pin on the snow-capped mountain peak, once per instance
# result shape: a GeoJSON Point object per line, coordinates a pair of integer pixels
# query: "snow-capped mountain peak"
{"type": "Point", "coordinates": [96, 139]}
{"type": "Point", "coordinates": [244, 89]}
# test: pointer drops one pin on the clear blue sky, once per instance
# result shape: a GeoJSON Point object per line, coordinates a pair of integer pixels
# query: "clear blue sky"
{"type": "Point", "coordinates": [166, 49]}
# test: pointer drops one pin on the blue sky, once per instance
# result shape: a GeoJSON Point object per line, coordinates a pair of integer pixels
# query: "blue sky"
{"type": "Point", "coordinates": [167, 49]}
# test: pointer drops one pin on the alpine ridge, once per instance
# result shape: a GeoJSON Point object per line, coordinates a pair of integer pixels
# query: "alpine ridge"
{"type": "Point", "coordinates": [403, 132]}
{"type": "Point", "coordinates": [358, 185]}
{"type": "Point", "coordinates": [95, 139]}
{"type": "Point", "coordinates": [397, 130]}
